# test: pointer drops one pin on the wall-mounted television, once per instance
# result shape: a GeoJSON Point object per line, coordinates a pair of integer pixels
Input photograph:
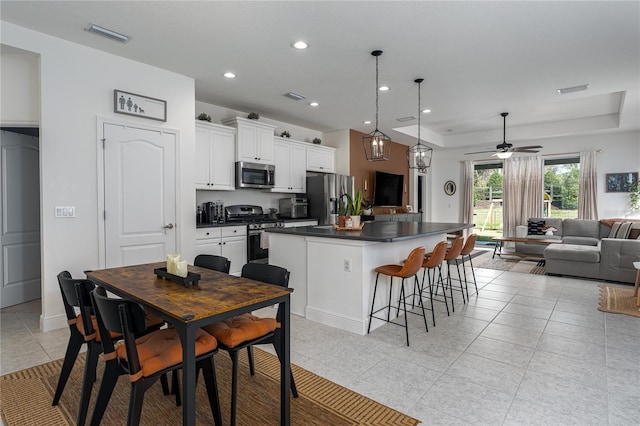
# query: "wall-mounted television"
{"type": "Point", "coordinates": [388, 189]}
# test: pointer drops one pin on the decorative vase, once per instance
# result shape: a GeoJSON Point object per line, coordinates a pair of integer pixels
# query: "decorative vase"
{"type": "Point", "coordinates": [342, 221]}
{"type": "Point", "coordinates": [355, 221]}
{"type": "Point", "coordinates": [549, 232]}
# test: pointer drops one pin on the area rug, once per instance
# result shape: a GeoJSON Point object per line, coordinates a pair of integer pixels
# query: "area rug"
{"type": "Point", "coordinates": [618, 300]}
{"type": "Point", "coordinates": [507, 263]}
{"type": "Point", "coordinates": [27, 396]}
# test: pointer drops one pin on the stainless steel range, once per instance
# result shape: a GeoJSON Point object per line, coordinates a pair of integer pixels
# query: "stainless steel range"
{"type": "Point", "coordinates": [256, 222]}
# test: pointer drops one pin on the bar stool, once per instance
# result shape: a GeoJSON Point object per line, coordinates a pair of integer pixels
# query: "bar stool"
{"type": "Point", "coordinates": [410, 268]}
{"type": "Point", "coordinates": [432, 261]}
{"type": "Point", "coordinates": [451, 255]}
{"type": "Point", "coordinates": [469, 245]}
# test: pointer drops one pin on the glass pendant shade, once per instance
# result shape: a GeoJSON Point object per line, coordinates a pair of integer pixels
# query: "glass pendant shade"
{"type": "Point", "coordinates": [504, 155]}
{"type": "Point", "coordinates": [377, 145]}
{"type": "Point", "coordinates": [419, 155]}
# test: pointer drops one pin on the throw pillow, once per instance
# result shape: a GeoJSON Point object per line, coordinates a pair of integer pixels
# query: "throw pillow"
{"type": "Point", "coordinates": [535, 228]}
{"type": "Point", "coordinates": [620, 230]}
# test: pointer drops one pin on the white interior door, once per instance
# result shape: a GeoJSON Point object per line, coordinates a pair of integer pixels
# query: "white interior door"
{"type": "Point", "coordinates": [20, 213]}
{"type": "Point", "coordinates": [140, 199]}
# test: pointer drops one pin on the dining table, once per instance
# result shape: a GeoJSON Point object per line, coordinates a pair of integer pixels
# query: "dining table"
{"type": "Point", "coordinates": [216, 296]}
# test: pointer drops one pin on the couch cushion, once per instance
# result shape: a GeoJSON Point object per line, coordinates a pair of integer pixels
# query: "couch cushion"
{"type": "Point", "coordinates": [535, 227]}
{"type": "Point", "coordinates": [620, 230]}
{"type": "Point", "coordinates": [583, 241]}
{"type": "Point", "coordinates": [573, 252]}
{"type": "Point", "coordinates": [581, 228]}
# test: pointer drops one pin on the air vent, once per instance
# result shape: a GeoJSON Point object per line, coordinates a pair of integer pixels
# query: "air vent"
{"type": "Point", "coordinates": [104, 32]}
{"type": "Point", "coordinates": [403, 119]}
{"type": "Point", "coordinates": [294, 96]}
{"type": "Point", "coordinates": [566, 90]}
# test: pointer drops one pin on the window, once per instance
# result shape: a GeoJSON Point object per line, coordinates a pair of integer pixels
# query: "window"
{"type": "Point", "coordinates": [561, 177]}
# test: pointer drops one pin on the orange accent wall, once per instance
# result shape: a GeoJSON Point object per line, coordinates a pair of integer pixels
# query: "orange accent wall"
{"type": "Point", "coordinates": [363, 170]}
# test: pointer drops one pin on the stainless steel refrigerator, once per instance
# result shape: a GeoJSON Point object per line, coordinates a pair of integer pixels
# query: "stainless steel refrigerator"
{"type": "Point", "coordinates": [323, 192]}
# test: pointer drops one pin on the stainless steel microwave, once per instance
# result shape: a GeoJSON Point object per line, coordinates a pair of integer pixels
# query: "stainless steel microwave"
{"type": "Point", "coordinates": [255, 175]}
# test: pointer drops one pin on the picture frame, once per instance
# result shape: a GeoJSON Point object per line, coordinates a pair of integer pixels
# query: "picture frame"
{"type": "Point", "coordinates": [449, 187]}
{"type": "Point", "coordinates": [621, 182]}
{"type": "Point", "coordinates": [139, 106]}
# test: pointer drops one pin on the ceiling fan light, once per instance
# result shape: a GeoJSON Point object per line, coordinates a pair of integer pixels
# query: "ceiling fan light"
{"type": "Point", "coordinates": [504, 155]}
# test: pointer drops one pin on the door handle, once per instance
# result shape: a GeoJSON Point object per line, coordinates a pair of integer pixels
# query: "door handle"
{"type": "Point", "coordinates": [169, 226]}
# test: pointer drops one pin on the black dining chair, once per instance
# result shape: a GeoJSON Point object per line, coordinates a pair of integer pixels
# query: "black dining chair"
{"type": "Point", "coordinates": [145, 359]}
{"type": "Point", "coordinates": [211, 261]}
{"type": "Point", "coordinates": [244, 331]}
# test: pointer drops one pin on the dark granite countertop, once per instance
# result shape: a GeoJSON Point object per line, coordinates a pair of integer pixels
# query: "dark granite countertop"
{"type": "Point", "coordinates": [383, 232]}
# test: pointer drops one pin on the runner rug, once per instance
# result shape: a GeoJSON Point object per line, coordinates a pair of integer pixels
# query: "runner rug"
{"type": "Point", "coordinates": [27, 396]}
{"type": "Point", "coordinates": [618, 300]}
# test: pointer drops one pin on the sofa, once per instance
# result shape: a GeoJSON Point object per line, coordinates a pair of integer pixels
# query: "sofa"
{"type": "Point", "coordinates": [589, 248]}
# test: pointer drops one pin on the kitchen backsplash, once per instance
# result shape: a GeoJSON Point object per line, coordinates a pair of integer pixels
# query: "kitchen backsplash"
{"type": "Point", "coordinates": [267, 200]}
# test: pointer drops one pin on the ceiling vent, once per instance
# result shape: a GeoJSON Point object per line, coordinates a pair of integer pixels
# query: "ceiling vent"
{"type": "Point", "coordinates": [566, 90]}
{"type": "Point", "coordinates": [294, 96]}
{"type": "Point", "coordinates": [104, 32]}
{"type": "Point", "coordinates": [403, 119]}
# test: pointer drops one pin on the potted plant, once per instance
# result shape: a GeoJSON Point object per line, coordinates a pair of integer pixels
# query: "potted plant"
{"type": "Point", "coordinates": [634, 195]}
{"type": "Point", "coordinates": [343, 211]}
{"type": "Point", "coordinates": [354, 207]}
{"type": "Point", "coordinates": [285, 134]}
{"type": "Point", "coordinates": [253, 116]}
{"type": "Point", "coordinates": [316, 141]}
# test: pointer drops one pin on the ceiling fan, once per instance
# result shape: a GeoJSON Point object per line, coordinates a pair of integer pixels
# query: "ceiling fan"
{"type": "Point", "coordinates": [505, 149]}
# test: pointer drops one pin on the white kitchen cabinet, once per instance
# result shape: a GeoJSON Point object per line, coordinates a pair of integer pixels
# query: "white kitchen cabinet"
{"type": "Point", "coordinates": [254, 141]}
{"type": "Point", "coordinates": [321, 159]}
{"type": "Point", "coordinates": [290, 160]}
{"type": "Point", "coordinates": [227, 241]}
{"type": "Point", "coordinates": [215, 157]}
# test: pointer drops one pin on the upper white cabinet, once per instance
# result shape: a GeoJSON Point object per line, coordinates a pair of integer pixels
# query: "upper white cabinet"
{"type": "Point", "coordinates": [215, 157]}
{"type": "Point", "coordinates": [255, 140]}
{"type": "Point", "coordinates": [321, 159]}
{"type": "Point", "coordinates": [290, 160]}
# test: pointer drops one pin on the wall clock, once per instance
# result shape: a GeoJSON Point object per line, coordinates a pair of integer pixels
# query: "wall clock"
{"type": "Point", "coordinates": [449, 187]}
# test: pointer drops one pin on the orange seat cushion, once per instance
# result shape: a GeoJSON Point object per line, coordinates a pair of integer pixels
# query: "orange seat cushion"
{"type": "Point", "coordinates": [163, 348]}
{"type": "Point", "coordinates": [391, 270]}
{"type": "Point", "coordinates": [234, 331]}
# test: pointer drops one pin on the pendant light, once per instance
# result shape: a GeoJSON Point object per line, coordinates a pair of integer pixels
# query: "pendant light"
{"type": "Point", "coordinates": [419, 155]}
{"type": "Point", "coordinates": [377, 145]}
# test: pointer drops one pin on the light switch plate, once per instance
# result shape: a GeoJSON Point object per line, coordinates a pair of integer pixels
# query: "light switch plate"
{"type": "Point", "coordinates": [66, 211]}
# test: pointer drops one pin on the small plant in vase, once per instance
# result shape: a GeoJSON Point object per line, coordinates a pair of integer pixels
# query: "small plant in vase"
{"type": "Point", "coordinates": [316, 141]}
{"type": "Point", "coordinates": [285, 134]}
{"type": "Point", "coordinates": [343, 211]}
{"type": "Point", "coordinates": [253, 116]}
{"type": "Point", "coordinates": [204, 117]}
{"type": "Point", "coordinates": [354, 208]}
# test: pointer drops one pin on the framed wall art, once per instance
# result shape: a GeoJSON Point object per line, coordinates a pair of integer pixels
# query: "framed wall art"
{"type": "Point", "coordinates": [621, 182]}
{"type": "Point", "coordinates": [450, 187]}
{"type": "Point", "coordinates": [139, 106]}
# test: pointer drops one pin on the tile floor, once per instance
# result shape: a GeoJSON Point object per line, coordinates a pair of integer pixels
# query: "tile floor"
{"type": "Point", "coordinates": [528, 349]}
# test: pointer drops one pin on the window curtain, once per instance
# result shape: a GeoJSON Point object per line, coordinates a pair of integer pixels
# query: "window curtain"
{"type": "Point", "coordinates": [467, 196]}
{"type": "Point", "coordinates": [588, 186]}
{"type": "Point", "coordinates": [522, 192]}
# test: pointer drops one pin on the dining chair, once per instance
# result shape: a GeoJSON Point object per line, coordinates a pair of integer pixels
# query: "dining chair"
{"type": "Point", "coordinates": [244, 331]}
{"type": "Point", "coordinates": [409, 269]}
{"type": "Point", "coordinates": [145, 359]}
{"type": "Point", "coordinates": [211, 261]}
{"type": "Point", "coordinates": [84, 330]}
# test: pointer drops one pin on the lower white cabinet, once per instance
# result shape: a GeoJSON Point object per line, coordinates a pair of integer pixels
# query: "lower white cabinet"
{"type": "Point", "coordinates": [227, 241]}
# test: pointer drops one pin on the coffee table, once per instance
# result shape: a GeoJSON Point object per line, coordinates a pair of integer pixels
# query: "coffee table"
{"type": "Point", "coordinates": [501, 240]}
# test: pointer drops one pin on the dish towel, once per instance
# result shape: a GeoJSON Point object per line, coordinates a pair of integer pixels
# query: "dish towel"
{"type": "Point", "coordinates": [264, 240]}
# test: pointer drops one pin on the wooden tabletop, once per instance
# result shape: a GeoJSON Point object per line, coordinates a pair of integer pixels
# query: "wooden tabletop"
{"type": "Point", "coordinates": [527, 240]}
{"type": "Point", "coordinates": [216, 293]}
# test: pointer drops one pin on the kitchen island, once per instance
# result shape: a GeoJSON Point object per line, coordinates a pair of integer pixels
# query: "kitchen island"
{"type": "Point", "coordinates": [332, 271]}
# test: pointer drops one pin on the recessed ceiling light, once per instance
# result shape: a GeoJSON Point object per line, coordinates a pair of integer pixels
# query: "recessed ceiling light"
{"type": "Point", "coordinates": [426, 111]}
{"type": "Point", "coordinates": [572, 89]}
{"type": "Point", "coordinates": [366, 122]}
{"type": "Point", "coordinates": [300, 45]}
{"type": "Point", "coordinates": [229, 75]}
{"type": "Point", "coordinates": [313, 104]}
{"type": "Point", "coordinates": [383, 88]}
{"type": "Point", "coordinates": [105, 32]}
